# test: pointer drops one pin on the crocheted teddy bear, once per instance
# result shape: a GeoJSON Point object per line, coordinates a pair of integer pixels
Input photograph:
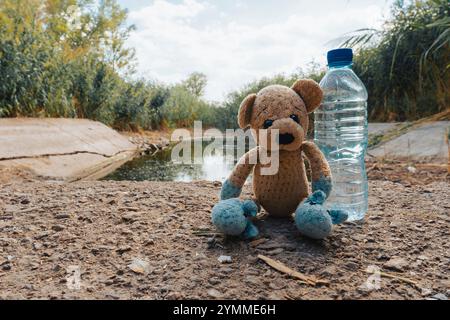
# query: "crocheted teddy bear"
{"type": "Point", "coordinates": [282, 111]}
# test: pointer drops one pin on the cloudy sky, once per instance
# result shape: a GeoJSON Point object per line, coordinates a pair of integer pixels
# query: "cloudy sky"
{"type": "Point", "coordinates": [236, 41]}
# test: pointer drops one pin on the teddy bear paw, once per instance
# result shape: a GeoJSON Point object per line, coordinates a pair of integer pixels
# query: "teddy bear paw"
{"type": "Point", "coordinates": [251, 231]}
{"type": "Point", "coordinates": [338, 216]}
{"type": "Point", "coordinates": [313, 220]}
{"type": "Point", "coordinates": [230, 217]}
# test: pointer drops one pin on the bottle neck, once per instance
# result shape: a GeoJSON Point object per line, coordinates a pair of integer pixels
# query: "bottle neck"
{"type": "Point", "coordinates": [340, 65]}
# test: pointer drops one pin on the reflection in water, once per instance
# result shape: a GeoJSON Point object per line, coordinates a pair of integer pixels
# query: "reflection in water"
{"type": "Point", "coordinates": [159, 167]}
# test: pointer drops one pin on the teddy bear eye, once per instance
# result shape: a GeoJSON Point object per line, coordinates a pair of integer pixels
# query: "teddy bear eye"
{"type": "Point", "coordinates": [295, 118]}
{"type": "Point", "coordinates": [268, 123]}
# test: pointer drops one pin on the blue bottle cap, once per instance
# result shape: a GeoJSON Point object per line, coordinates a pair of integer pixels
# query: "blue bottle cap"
{"type": "Point", "coordinates": [340, 57]}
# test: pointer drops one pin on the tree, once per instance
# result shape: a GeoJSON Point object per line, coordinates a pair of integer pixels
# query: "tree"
{"type": "Point", "coordinates": [62, 57]}
{"type": "Point", "coordinates": [196, 83]}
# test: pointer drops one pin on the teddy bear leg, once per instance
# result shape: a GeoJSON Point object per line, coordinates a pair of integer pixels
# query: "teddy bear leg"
{"type": "Point", "coordinates": [322, 184]}
{"type": "Point", "coordinates": [311, 217]}
{"type": "Point", "coordinates": [251, 209]}
{"type": "Point", "coordinates": [231, 217]}
{"type": "Point", "coordinates": [229, 191]}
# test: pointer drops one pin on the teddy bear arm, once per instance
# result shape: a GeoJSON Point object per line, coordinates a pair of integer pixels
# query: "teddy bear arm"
{"type": "Point", "coordinates": [320, 170]}
{"type": "Point", "coordinates": [232, 187]}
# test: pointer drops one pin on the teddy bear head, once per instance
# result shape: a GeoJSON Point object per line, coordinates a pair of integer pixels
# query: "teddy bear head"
{"type": "Point", "coordinates": [280, 111]}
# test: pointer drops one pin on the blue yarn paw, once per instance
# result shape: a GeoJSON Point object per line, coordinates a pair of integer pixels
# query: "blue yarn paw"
{"type": "Point", "coordinates": [323, 184]}
{"type": "Point", "coordinates": [229, 191]}
{"type": "Point", "coordinates": [250, 208]}
{"type": "Point", "coordinates": [313, 220]}
{"type": "Point", "coordinates": [229, 217]}
{"type": "Point", "coordinates": [318, 197]}
{"type": "Point", "coordinates": [251, 231]}
{"type": "Point", "coordinates": [338, 216]}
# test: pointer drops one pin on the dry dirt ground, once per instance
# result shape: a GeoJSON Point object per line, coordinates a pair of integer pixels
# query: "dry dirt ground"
{"type": "Point", "coordinates": [154, 240]}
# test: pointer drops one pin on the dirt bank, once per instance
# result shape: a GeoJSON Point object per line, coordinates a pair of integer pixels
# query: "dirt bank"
{"type": "Point", "coordinates": [100, 228]}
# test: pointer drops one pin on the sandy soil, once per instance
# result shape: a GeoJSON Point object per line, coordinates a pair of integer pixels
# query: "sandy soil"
{"type": "Point", "coordinates": [154, 240]}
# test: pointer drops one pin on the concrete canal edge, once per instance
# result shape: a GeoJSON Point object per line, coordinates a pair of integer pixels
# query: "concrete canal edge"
{"type": "Point", "coordinates": [425, 142]}
{"type": "Point", "coordinates": [63, 149]}
{"type": "Point", "coordinates": [79, 149]}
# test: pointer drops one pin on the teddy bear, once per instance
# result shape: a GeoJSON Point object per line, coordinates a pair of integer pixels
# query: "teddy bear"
{"type": "Point", "coordinates": [282, 111]}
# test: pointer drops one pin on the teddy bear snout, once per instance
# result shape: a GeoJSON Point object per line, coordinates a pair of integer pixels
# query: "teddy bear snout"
{"type": "Point", "coordinates": [286, 138]}
{"type": "Point", "coordinates": [290, 133]}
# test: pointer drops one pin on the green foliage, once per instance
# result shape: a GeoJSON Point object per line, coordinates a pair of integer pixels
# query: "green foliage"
{"type": "Point", "coordinates": [406, 70]}
{"type": "Point", "coordinates": [61, 58]}
{"type": "Point", "coordinates": [226, 115]}
{"type": "Point", "coordinates": [182, 108]}
{"type": "Point", "coordinates": [196, 83]}
{"type": "Point", "coordinates": [68, 58]}
{"type": "Point", "coordinates": [33, 82]}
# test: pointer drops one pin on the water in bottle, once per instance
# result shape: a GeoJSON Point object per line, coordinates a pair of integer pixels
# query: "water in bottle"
{"type": "Point", "coordinates": [340, 131]}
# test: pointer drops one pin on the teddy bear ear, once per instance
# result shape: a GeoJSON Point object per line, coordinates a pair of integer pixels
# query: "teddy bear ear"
{"type": "Point", "coordinates": [310, 92]}
{"type": "Point", "coordinates": [245, 111]}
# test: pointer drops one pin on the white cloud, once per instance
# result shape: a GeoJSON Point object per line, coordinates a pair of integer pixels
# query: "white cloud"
{"type": "Point", "coordinates": [173, 40]}
{"type": "Point", "coordinates": [167, 10]}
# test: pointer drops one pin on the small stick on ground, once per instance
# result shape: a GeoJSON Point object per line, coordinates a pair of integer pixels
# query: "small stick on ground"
{"type": "Point", "coordinates": [206, 234]}
{"type": "Point", "coordinates": [393, 276]}
{"type": "Point", "coordinates": [277, 265]}
{"type": "Point", "coordinates": [202, 230]}
{"type": "Point", "coordinates": [257, 242]}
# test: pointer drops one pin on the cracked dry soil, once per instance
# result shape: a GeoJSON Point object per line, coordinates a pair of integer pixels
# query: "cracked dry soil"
{"type": "Point", "coordinates": [154, 240]}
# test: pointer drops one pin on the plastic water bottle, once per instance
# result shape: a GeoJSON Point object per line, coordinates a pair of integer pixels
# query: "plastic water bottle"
{"type": "Point", "coordinates": [340, 131]}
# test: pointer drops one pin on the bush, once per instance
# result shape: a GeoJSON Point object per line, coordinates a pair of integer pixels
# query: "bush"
{"type": "Point", "coordinates": [68, 59]}
{"type": "Point", "coordinates": [407, 70]}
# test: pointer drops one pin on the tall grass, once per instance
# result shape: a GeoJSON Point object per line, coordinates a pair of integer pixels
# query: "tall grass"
{"type": "Point", "coordinates": [52, 66]}
{"type": "Point", "coordinates": [406, 64]}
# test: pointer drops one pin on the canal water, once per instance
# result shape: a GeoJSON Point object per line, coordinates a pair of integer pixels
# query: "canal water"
{"type": "Point", "coordinates": [160, 167]}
